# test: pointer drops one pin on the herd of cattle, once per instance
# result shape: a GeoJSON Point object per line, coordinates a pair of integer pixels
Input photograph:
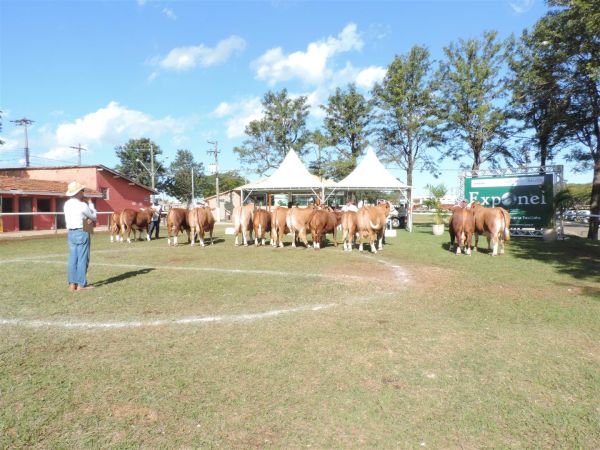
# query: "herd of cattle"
{"type": "Point", "coordinates": [365, 225]}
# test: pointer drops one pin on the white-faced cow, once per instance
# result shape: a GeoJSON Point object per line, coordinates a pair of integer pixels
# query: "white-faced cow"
{"type": "Point", "coordinates": [494, 223]}
{"type": "Point", "coordinates": [261, 224]}
{"type": "Point", "coordinates": [279, 226]}
{"type": "Point", "coordinates": [136, 221]}
{"type": "Point", "coordinates": [177, 222]}
{"type": "Point", "coordinates": [242, 222]}
{"type": "Point", "coordinates": [371, 222]}
{"type": "Point", "coordinates": [461, 228]}
{"type": "Point", "coordinates": [322, 222]}
{"type": "Point", "coordinates": [297, 221]}
{"type": "Point", "coordinates": [349, 228]}
{"type": "Point", "coordinates": [115, 226]}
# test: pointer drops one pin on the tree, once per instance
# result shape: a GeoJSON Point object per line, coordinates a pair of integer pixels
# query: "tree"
{"type": "Point", "coordinates": [179, 183]}
{"type": "Point", "coordinates": [227, 181]}
{"type": "Point", "coordinates": [473, 95]}
{"type": "Point", "coordinates": [409, 113]}
{"type": "Point", "coordinates": [537, 99]}
{"type": "Point", "coordinates": [139, 149]}
{"type": "Point", "coordinates": [346, 126]}
{"type": "Point", "coordinates": [282, 128]}
{"type": "Point", "coordinates": [568, 34]}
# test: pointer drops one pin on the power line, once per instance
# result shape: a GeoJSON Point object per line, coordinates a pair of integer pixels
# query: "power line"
{"type": "Point", "coordinates": [24, 122]}
{"type": "Point", "coordinates": [79, 149]}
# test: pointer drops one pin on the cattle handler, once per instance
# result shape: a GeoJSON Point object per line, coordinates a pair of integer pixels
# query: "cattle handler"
{"type": "Point", "coordinates": [78, 215]}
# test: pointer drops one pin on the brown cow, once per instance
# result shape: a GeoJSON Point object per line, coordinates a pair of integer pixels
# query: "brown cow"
{"type": "Point", "coordinates": [115, 226]}
{"type": "Point", "coordinates": [371, 222]}
{"type": "Point", "coordinates": [297, 221]}
{"type": "Point", "coordinates": [461, 228]}
{"type": "Point", "coordinates": [192, 222]}
{"type": "Point", "coordinates": [324, 221]}
{"type": "Point", "coordinates": [349, 227]}
{"type": "Point", "coordinates": [494, 223]}
{"type": "Point", "coordinates": [279, 226]}
{"type": "Point", "coordinates": [136, 221]}
{"type": "Point", "coordinates": [242, 222]}
{"type": "Point", "coordinates": [205, 224]}
{"type": "Point", "coordinates": [261, 224]}
{"type": "Point", "coordinates": [176, 222]}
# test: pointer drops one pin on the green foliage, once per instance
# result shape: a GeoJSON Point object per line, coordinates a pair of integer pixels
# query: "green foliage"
{"type": "Point", "coordinates": [473, 93]}
{"type": "Point", "coordinates": [537, 99]}
{"type": "Point", "coordinates": [408, 113]}
{"type": "Point", "coordinates": [282, 128]}
{"type": "Point", "coordinates": [135, 149]}
{"type": "Point", "coordinates": [227, 181]}
{"type": "Point", "coordinates": [346, 125]}
{"type": "Point", "coordinates": [179, 183]}
{"type": "Point", "coordinates": [436, 192]}
{"type": "Point", "coordinates": [571, 49]}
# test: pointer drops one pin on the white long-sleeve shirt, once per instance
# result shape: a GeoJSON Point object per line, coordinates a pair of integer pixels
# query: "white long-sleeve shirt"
{"type": "Point", "coordinates": [77, 211]}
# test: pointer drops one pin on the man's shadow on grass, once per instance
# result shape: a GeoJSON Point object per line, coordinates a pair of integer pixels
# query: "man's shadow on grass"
{"type": "Point", "coordinates": [123, 276]}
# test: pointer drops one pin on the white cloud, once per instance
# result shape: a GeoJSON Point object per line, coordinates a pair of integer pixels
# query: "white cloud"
{"type": "Point", "coordinates": [366, 78]}
{"type": "Point", "coordinates": [521, 6]}
{"type": "Point", "coordinates": [10, 143]}
{"type": "Point", "coordinates": [141, 2]}
{"type": "Point", "coordinates": [169, 13]}
{"type": "Point", "coordinates": [238, 115]}
{"type": "Point", "coordinates": [185, 58]}
{"type": "Point", "coordinates": [108, 126]}
{"type": "Point", "coordinates": [310, 65]}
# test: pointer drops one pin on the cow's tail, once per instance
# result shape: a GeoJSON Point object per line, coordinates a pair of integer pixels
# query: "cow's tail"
{"type": "Point", "coordinates": [506, 221]}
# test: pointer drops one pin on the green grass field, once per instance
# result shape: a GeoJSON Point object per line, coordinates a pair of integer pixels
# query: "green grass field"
{"type": "Point", "coordinates": [286, 348]}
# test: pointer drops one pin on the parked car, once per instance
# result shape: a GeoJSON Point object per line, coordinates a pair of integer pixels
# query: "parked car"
{"type": "Point", "coordinates": [570, 215]}
{"type": "Point", "coordinates": [583, 216]}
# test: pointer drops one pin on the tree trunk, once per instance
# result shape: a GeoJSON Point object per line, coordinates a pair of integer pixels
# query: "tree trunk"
{"type": "Point", "coordinates": [595, 203]}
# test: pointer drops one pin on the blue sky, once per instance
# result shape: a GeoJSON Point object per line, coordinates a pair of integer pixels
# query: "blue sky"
{"type": "Point", "coordinates": [185, 72]}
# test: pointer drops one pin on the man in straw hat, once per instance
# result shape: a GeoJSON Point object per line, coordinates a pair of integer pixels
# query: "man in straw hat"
{"type": "Point", "coordinates": [76, 212]}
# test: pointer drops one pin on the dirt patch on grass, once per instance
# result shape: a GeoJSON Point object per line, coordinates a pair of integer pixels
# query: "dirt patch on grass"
{"type": "Point", "coordinates": [432, 277]}
{"type": "Point", "coordinates": [138, 413]}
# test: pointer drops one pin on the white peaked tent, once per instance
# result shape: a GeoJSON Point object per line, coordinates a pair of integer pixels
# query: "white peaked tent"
{"type": "Point", "coordinates": [371, 175]}
{"type": "Point", "coordinates": [291, 175]}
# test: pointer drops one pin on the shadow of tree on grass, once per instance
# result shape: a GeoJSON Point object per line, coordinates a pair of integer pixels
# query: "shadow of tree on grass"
{"type": "Point", "coordinates": [575, 256]}
{"type": "Point", "coordinates": [123, 276]}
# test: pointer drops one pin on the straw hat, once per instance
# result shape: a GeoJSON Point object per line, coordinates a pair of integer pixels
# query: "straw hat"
{"type": "Point", "coordinates": [73, 188]}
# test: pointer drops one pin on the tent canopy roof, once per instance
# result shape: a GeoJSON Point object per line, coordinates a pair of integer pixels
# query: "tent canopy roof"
{"type": "Point", "coordinates": [371, 174]}
{"type": "Point", "coordinates": [290, 175]}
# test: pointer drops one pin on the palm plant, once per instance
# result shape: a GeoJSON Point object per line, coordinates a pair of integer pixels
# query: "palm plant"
{"type": "Point", "coordinates": [435, 201]}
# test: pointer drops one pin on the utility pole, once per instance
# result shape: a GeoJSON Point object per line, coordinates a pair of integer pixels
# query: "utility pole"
{"type": "Point", "coordinates": [24, 122]}
{"type": "Point", "coordinates": [215, 151]}
{"type": "Point", "coordinates": [193, 194]}
{"type": "Point", "coordinates": [79, 149]}
{"type": "Point", "coordinates": [152, 173]}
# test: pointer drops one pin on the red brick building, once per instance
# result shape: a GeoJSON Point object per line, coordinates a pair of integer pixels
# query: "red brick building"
{"type": "Point", "coordinates": [42, 190]}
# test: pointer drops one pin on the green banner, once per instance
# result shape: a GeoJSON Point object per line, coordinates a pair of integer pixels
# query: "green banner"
{"type": "Point", "coordinates": [528, 198]}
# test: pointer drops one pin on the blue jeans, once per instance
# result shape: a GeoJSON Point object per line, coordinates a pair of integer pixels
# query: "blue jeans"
{"type": "Point", "coordinates": [154, 225]}
{"type": "Point", "coordinates": [79, 256]}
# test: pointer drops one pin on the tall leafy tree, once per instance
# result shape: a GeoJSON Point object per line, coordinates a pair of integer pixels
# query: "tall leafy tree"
{"type": "Point", "coordinates": [227, 181]}
{"type": "Point", "coordinates": [473, 92]}
{"type": "Point", "coordinates": [570, 45]}
{"type": "Point", "coordinates": [408, 113]}
{"type": "Point", "coordinates": [139, 149]}
{"type": "Point", "coordinates": [537, 99]}
{"type": "Point", "coordinates": [348, 116]}
{"type": "Point", "coordinates": [179, 182]}
{"type": "Point", "coordinates": [283, 127]}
